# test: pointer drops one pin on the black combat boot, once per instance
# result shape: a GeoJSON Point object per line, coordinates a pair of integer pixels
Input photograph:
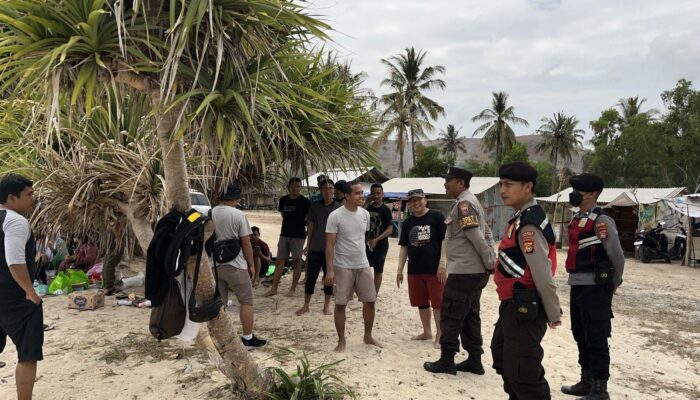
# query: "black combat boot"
{"type": "Point", "coordinates": [582, 388]}
{"type": "Point", "coordinates": [599, 391]}
{"type": "Point", "coordinates": [445, 365]}
{"type": "Point", "coordinates": [472, 364]}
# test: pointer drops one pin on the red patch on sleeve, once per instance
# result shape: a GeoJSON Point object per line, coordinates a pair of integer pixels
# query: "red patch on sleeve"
{"type": "Point", "coordinates": [602, 230]}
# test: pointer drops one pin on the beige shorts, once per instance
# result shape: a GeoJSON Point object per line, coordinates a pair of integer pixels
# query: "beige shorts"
{"type": "Point", "coordinates": [238, 281]}
{"type": "Point", "coordinates": [358, 280]}
{"type": "Point", "coordinates": [288, 245]}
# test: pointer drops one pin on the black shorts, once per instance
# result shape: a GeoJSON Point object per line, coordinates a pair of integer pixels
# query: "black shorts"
{"type": "Point", "coordinates": [376, 257]}
{"type": "Point", "coordinates": [23, 322]}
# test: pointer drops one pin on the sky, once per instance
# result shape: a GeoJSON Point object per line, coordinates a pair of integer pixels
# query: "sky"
{"type": "Point", "coordinates": [576, 56]}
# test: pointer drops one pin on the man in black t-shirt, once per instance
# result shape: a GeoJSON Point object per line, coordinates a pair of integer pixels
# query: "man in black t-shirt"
{"type": "Point", "coordinates": [421, 240]}
{"type": "Point", "coordinates": [380, 228]}
{"type": "Point", "coordinates": [294, 208]}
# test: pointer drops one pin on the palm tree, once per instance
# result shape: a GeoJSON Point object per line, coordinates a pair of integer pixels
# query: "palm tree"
{"type": "Point", "coordinates": [631, 111]}
{"type": "Point", "coordinates": [397, 119]}
{"type": "Point", "coordinates": [407, 76]}
{"type": "Point", "coordinates": [499, 136]}
{"type": "Point", "coordinates": [560, 138]}
{"type": "Point", "coordinates": [214, 73]}
{"type": "Point", "coordinates": [451, 142]}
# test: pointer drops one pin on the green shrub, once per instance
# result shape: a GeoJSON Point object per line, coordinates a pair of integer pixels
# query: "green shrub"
{"type": "Point", "coordinates": [308, 383]}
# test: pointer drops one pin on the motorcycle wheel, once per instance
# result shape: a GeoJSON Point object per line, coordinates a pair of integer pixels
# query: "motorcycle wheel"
{"type": "Point", "coordinates": [667, 258]}
{"type": "Point", "coordinates": [644, 255]}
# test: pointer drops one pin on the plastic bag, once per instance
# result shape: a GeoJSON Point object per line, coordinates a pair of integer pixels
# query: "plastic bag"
{"type": "Point", "coordinates": [76, 276]}
{"type": "Point", "coordinates": [61, 282]}
{"type": "Point", "coordinates": [95, 273]}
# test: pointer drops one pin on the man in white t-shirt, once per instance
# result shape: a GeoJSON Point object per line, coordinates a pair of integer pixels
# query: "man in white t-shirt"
{"type": "Point", "coordinates": [347, 262]}
{"type": "Point", "coordinates": [21, 312]}
{"type": "Point", "coordinates": [236, 275]}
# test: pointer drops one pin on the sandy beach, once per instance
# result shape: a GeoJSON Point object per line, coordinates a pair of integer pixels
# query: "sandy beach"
{"type": "Point", "coordinates": [109, 354]}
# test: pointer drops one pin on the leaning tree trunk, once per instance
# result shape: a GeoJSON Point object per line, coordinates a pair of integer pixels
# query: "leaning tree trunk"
{"type": "Point", "coordinates": [142, 228]}
{"type": "Point", "coordinates": [236, 363]}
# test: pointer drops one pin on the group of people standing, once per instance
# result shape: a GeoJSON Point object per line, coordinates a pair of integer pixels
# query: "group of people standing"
{"type": "Point", "coordinates": [449, 263]}
{"type": "Point", "coordinates": [523, 268]}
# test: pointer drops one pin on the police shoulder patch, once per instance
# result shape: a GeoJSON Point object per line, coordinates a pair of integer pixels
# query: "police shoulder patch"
{"type": "Point", "coordinates": [602, 230]}
{"type": "Point", "coordinates": [527, 239]}
{"type": "Point", "coordinates": [468, 217]}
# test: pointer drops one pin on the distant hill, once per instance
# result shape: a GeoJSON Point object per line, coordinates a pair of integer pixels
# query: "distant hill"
{"type": "Point", "coordinates": [389, 158]}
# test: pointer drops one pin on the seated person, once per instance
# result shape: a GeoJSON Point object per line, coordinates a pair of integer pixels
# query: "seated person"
{"type": "Point", "coordinates": [261, 255]}
{"type": "Point", "coordinates": [84, 258]}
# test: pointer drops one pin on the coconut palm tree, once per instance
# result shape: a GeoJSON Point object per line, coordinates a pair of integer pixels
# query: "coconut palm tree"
{"type": "Point", "coordinates": [213, 72]}
{"type": "Point", "coordinates": [631, 110]}
{"type": "Point", "coordinates": [498, 134]}
{"type": "Point", "coordinates": [407, 75]}
{"type": "Point", "coordinates": [560, 138]}
{"type": "Point", "coordinates": [451, 142]}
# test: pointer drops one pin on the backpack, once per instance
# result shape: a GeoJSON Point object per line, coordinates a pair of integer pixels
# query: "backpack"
{"type": "Point", "coordinates": [177, 237]}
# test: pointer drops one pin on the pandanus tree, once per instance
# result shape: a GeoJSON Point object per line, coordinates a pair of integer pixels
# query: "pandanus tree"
{"type": "Point", "coordinates": [228, 81]}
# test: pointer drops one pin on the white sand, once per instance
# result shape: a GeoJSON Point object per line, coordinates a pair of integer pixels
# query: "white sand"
{"type": "Point", "coordinates": [655, 344]}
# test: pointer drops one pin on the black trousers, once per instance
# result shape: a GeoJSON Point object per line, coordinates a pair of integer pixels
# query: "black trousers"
{"type": "Point", "coordinates": [459, 316]}
{"type": "Point", "coordinates": [316, 262]}
{"type": "Point", "coordinates": [591, 312]}
{"type": "Point", "coordinates": [517, 354]}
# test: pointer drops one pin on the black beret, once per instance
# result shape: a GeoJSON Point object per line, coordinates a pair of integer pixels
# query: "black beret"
{"type": "Point", "coordinates": [518, 171]}
{"type": "Point", "coordinates": [587, 183]}
{"type": "Point", "coordinates": [454, 172]}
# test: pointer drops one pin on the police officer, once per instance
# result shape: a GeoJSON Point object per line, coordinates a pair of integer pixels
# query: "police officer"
{"type": "Point", "coordinates": [527, 260]}
{"type": "Point", "coordinates": [595, 263]}
{"type": "Point", "coordinates": [470, 259]}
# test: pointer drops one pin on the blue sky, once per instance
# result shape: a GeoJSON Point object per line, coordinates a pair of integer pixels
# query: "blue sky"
{"type": "Point", "coordinates": [579, 56]}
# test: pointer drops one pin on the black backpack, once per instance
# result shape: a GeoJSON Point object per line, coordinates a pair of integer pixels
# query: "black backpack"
{"type": "Point", "coordinates": [177, 237]}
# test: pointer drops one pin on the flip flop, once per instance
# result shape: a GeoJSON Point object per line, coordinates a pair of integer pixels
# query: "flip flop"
{"type": "Point", "coordinates": [48, 328]}
{"type": "Point", "coordinates": [2, 364]}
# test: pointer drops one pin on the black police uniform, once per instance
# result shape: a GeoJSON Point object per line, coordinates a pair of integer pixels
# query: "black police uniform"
{"type": "Point", "coordinates": [595, 263]}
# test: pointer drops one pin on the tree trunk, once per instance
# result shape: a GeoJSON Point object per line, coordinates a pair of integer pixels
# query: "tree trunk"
{"type": "Point", "coordinates": [237, 363]}
{"type": "Point", "coordinates": [142, 228]}
{"type": "Point", "coordinates": [555, 177]}
{"type": "Point", "coordinates": [413, 148]}
{"type": "Point", "coordinates": [401, 170]}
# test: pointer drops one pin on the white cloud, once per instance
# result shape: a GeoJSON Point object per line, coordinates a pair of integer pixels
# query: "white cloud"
{"type": "Point", "coordinates": [549, 55]}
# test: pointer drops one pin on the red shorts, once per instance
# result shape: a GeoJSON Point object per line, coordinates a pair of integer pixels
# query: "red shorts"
{"type": "Point", "coordinates": [425, 290]}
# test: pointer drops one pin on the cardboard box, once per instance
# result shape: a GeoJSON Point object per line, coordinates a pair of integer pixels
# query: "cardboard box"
{"type": "Point", "coordinates": [86, 300]}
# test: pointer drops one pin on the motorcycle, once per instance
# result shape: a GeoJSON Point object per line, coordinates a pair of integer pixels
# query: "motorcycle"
{"type": "Point", "coordinates": [653, 245]}
{"type": "Point", "coordinates": [678, 250]}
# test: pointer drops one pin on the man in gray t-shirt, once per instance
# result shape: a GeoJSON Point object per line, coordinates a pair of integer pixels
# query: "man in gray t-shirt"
{"type": "Point", "coordinates": [231, 223]}
{"type": "Point", "coordinates": [347, 262]}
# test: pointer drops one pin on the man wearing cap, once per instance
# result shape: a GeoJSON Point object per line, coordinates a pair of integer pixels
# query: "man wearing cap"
{"type": "Point", "coordinates": [421, 242]}
{"type": "Point", "coordinates": [595, 263]}
{"type": "Point", "coordinates": [527, 260]}
{"type": "Point", "coordinates": [231, 223]}
{"type": "Point", "coordinates": [470, 258]}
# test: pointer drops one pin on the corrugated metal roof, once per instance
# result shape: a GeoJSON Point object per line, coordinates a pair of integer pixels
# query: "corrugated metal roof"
{"type": "Point", "coordinates": [341, 174]}
{"type": "Point", "coordinates": [621, 196]}
{"type": "Point", "coordinates": [399, 187]}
